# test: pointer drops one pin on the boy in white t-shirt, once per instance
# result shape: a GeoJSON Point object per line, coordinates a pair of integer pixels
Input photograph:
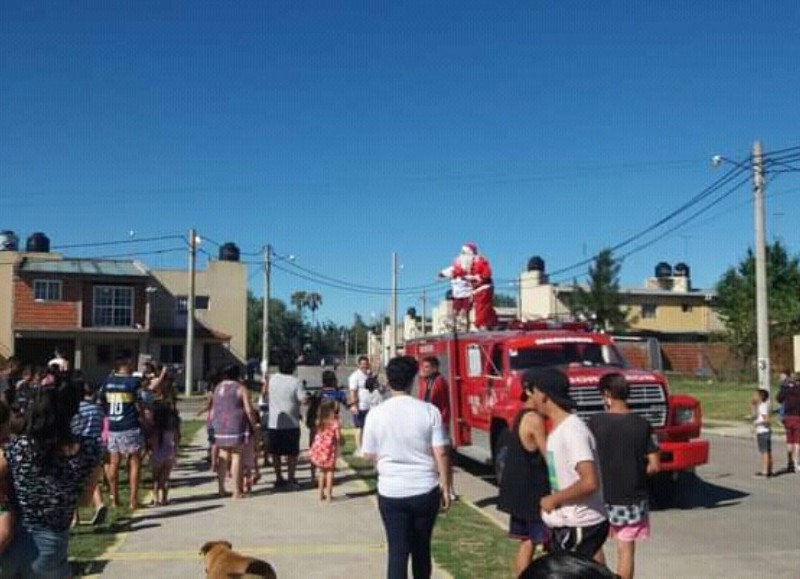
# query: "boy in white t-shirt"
{"type": "Point", "coordinates": [574, 511]}
{"type": "Point", "coordinates": [763, 432]}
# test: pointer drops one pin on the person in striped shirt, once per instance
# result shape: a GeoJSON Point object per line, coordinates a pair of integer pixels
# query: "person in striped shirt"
{"type": "Point", "coordinates": [88, 423]}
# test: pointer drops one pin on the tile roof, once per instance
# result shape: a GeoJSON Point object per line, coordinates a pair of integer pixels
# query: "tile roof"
{"type": "Point", "coordinates": [100, 267]}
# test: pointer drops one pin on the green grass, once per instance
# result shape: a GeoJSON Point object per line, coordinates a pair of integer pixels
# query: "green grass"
{"type": "Point", "coordinates": [720, 400]}
{"type": "Point", "coordinates": [465, 543]}
{"type": "Point", "coordinates": [88, 543]}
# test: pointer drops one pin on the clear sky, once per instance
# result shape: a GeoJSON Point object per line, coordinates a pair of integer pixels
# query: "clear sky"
{"type": "Point", "coordinates": [343, 131]}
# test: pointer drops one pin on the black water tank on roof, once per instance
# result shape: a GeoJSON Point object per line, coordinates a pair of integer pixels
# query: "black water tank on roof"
{"type": "Point", "coordinates": [681, 270]}
{"type": "Point", "coordinates": [536, 263]}
{"type": "Point", "coordinates": [38, 243]}
{"type": "Point", "coordinates": [228, 252]}
{"type": "Point", "coordinates": [663, 269]}
{"type": "Point", "coordinates": [411, 312]}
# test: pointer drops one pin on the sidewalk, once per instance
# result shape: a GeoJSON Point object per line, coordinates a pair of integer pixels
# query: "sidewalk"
{"type": "Point", "coordinates": [294, 532]}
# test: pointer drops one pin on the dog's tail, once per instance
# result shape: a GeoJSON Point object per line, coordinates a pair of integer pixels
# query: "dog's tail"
{"type": "Point", "coordinates": [261, 569]}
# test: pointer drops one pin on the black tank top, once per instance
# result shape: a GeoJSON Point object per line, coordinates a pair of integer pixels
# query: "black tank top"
{"type": "Point", "coordinates": [525, 478]}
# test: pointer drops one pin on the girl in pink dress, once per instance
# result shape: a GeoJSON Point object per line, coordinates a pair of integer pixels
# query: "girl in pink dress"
{"type": "Point", "coordinates": [325, 448]}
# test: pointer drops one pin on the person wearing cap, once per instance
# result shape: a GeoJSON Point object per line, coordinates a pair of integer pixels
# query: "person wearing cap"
{"type": "Point", "coordinates": [475, 269]}
{"type": "Point", "coordinates": [574, 510]}
{"type": "Point", "coordinates": [525, 478]}
{"type": "Point", "coordinates": [628, 454]}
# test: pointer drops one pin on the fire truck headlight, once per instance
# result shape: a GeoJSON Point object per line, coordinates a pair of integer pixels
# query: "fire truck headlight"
{"type": "Point", "coordinates": [684, 415]}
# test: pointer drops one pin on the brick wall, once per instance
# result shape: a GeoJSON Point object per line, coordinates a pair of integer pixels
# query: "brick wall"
{"type": "Point", "coordinates": [29, 312]}
{"type": "Point", "coordinates": [685, 357]}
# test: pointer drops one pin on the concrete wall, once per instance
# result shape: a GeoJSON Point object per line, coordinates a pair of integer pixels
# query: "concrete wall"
{"type": "Point", "coordinates": [225, 284]}
{"type": "Point", "coordinates": [7, 260]}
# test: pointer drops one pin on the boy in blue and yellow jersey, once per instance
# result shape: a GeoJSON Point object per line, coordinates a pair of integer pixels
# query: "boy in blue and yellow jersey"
{"type": "Point", "coordinates": [121, 397]}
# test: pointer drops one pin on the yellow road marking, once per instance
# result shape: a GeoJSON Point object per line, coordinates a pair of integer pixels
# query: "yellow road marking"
{"type": "Point", "coordinates": [301, 549]}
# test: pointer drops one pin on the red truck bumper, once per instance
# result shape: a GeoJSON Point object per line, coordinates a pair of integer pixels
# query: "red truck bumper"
{"type": "Point", "coordinates": [677, 456]}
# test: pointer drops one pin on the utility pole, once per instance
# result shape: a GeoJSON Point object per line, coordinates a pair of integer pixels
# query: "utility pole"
{"type": "Point", "coordinates": [393, 336]}
{"type": "Point", "coordinates": [424, 300]}
{"type": "Point", "coordinates": [189, 362]}
{"type": "Point", "coordinates": [762, 312]}
{"type": "Point", "coordinates": [265, 311]}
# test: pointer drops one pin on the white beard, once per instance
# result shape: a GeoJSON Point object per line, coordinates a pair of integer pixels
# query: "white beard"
{"type": "Point", "coordinates": [465, 261]}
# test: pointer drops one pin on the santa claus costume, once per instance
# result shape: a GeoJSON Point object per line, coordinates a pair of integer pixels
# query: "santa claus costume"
{"type": "Point", "coordinates": [475, 269]}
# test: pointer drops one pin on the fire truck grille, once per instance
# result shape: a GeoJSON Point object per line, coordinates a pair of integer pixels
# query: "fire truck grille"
{"type": "Point", "coordinates": [647, 400]}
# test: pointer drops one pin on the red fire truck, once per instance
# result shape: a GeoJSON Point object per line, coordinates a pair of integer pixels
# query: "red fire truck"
{"type": "Point", "coordinates": [484, 370]}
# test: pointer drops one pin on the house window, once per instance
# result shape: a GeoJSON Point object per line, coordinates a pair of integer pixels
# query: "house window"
{"type": "Point", "coordinates": [47, 290]}
{"type": "Point", "coordinates": [686, 308]}
{"type": "Point", "coordinates": [112, 306]}
{"type": "Point", "coordinates": [171, 354]}
{"type": "Point", "coordinates": [182, 303]}
{"type": "Point", "coordinates": [649, 311]}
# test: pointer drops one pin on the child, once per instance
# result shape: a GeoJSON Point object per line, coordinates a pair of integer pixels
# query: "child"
{"type": "Point", "coordinates": [628, 454]}
{"type": "Point", "coordinates": [250, 472]}
{"type": "Point", "coordinates": [761, 425]}
{"type": "Point", "coordinates": [164, 440]}
{"type": "Point", "coordinates": [208, 410]}
{"type": "Point", "coordinates": [7, 518]}
{"type": "Point", "coordinates": [325, 449]}
{"type": "Point", "coordinates": [263, 420]}
{"type": "Point", "coordinates": [89, 423]}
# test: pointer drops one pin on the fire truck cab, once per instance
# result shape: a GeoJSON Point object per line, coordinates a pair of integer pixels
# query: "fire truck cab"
{"type": "Point", "coordinates": [484, 371]}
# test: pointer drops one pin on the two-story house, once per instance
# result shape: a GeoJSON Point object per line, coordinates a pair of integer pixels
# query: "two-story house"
{"type": "Point", "coordinates": [95, 310]}
{"type": "Point", "coordinates": [92, 310]}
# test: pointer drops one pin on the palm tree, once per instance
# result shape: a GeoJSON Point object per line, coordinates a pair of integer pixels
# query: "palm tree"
{"type": "Point", "coordinates": [313, 302]}
{"type": "Point", "coordinates": [299, 300]}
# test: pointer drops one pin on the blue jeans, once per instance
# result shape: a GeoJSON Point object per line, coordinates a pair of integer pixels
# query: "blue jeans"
{"type": "Point", "coordinates": [36, 553]}
{"type": "Point", "coordinates": [409, 524]}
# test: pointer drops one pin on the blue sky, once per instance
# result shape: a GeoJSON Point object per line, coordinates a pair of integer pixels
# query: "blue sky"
{"type": "Point", "coordinates": [341, 132]}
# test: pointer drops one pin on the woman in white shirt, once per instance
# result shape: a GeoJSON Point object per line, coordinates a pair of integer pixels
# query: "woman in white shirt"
{"type": "Point", "coordinates": [406, 438]}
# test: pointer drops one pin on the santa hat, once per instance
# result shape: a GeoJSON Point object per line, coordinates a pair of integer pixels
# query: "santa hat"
{"type": "Point", "coordinates": [469, 248]}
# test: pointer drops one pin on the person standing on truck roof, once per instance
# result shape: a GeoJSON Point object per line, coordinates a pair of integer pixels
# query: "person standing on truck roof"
{"type": "Point", "coordinates": [525, 478]}
{"type": "Point", "coordinates": [628, 454]}
{"type": "Point", "coordinates": [475, 268]}
{"type": "Point", "coordinates": [433, 388]}
{"type": "Point", "coordinates": [574, 510]}
{"type": "Point", "coordinates": [359, 397]}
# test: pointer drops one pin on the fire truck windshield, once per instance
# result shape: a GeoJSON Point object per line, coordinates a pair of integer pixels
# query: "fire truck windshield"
{"type": "Point", "coordinates": [556, 353]}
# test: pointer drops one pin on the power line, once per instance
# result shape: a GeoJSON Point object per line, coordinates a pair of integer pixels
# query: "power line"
{"type": "Point", "coordinates": [721, 182]}
{"type": "Point", "coordinates": [118, 242]}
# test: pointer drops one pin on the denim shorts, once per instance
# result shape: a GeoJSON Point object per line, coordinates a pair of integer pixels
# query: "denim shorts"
{"type": "Point", "coordinates": [36, 553]}
{"type": "Point", "coordinates": [764, 441]}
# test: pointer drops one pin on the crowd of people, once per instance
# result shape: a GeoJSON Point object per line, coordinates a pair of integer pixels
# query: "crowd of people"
{"type": "Point", "coordinates": [62, 437]}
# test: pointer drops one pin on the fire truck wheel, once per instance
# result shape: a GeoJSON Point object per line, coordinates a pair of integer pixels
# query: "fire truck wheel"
{"type": "Point", "coordinates": [499, 455]}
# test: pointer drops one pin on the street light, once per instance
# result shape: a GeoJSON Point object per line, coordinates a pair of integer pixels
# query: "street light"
{"type": "Point", "coordinates": [269, 254]}
{"type": "Point", "coordinates": [762, 311]}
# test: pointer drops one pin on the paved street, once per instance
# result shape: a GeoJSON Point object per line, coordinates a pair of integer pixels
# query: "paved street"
{"type": "Point", "coordinates": [294, 532]}
{"type": "Point", "coordinates": [727, 523]}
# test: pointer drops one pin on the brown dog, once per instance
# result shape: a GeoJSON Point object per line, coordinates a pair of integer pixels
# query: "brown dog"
{"type": "Point", "coordinates": [224, 563]}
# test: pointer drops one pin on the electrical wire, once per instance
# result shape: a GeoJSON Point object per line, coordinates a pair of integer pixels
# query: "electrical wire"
{"type": "Point", "coordinates": [119, 242]}
{"type": "Point", "coordinates": [698, 198]}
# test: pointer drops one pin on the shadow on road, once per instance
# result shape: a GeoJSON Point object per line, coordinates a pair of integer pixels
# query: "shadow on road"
{"type": "Point", "coordinates": [696, 493]}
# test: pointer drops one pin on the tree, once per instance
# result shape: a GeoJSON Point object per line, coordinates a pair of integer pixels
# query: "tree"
{"type": "Point", "coordinates": [299, 300]}
{"type": "Point", "coordinates": [736, 299]}
{"type": "Point", "coordinates": [601, 299]}
{"type": "Point", "coordinates": [313, 302]}
{"type": "Point", "coordinates": [286, 328]}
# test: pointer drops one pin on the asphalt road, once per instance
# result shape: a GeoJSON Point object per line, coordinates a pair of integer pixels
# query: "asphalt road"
{"type": "Point", "coordinates": [725, 521]}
